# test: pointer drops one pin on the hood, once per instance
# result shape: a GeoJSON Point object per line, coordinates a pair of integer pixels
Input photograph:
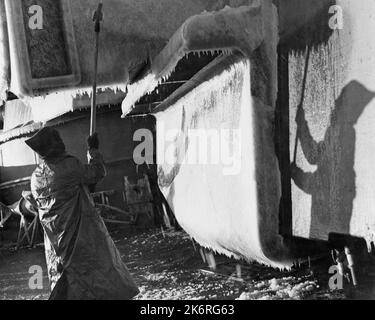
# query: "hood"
{"type": "Point", "coordinates": [47, 143]}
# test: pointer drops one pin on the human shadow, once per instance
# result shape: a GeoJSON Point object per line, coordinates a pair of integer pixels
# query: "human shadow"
{"type": "Point", "coordinates": [333, 185]}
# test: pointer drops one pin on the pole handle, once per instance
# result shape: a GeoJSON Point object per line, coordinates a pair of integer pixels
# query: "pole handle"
{"type": "Point", "coordinates": [97, 18]}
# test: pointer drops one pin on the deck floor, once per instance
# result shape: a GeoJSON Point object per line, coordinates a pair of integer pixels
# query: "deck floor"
{"type": "Point", "coordinates": [166, 266]}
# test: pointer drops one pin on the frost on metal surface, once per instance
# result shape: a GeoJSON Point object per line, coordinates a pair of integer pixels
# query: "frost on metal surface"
{"type": "Point", "coordinates": [229, 208]}
{"type": "Point", "coordinates": [53, 105]}
{"type": "Point", "coordinates": [231, 29]}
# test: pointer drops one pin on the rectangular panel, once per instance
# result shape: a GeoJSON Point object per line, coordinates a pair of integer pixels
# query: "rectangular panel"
{"type": "Point", "coordinates": [50, 40]}
{"type": "Point", "coordinates": [42, 44]}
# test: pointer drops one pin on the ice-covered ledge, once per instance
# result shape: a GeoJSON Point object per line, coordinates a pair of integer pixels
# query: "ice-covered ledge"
{"type": "Point", "coordinates": [228, 30]}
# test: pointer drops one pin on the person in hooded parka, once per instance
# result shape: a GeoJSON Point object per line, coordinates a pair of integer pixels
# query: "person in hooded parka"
{"type": "Point", "coordinates": [82, 260]}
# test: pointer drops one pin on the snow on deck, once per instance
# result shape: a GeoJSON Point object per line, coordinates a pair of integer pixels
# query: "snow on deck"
{"type": "Point", "coordinates": [166, 267]}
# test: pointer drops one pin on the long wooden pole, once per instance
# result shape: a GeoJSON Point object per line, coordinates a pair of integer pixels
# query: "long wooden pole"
{"type": "Point", "coordinates": [98, 17]}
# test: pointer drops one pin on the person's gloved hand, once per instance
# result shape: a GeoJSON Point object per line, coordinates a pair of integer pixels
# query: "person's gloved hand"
{"type": "Point", "coordinates": [93, 141]}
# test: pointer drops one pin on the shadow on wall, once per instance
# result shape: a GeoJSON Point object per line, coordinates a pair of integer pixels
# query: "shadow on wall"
{"type": "Point", "coordinates": [303, 27]}
{"type": "Point", "coordinates": [333, 185]}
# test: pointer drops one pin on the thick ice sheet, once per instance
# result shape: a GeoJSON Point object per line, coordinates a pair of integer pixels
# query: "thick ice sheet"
{"type": "Point", "coordinates": [226, 196]}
